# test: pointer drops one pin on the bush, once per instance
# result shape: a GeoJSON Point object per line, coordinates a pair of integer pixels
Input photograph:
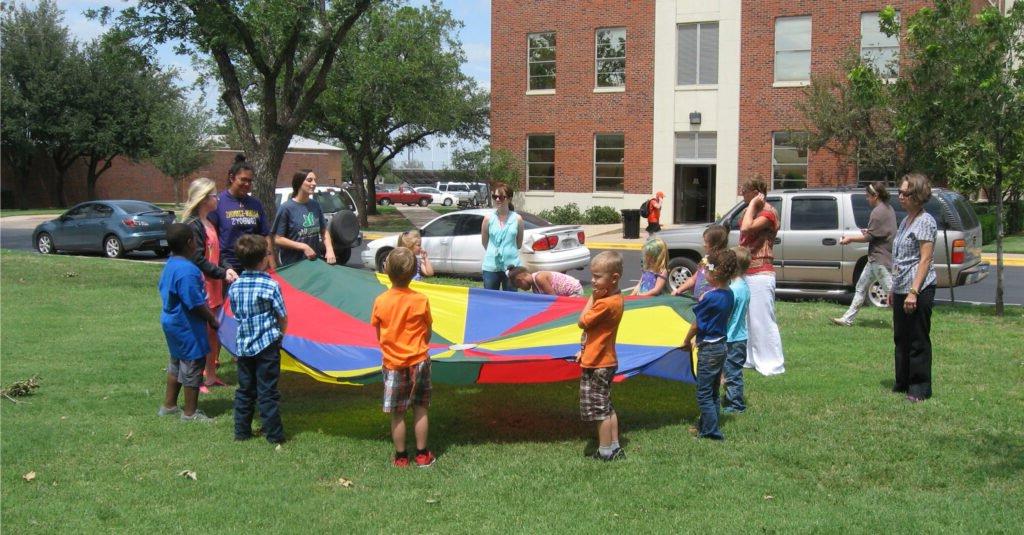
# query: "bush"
{"type": "Point", "coordinates": [601, 215]}
{"type": "Point", "coordinates": [988, 227]}
{"type": "Point", "coordinates": [568, 214]}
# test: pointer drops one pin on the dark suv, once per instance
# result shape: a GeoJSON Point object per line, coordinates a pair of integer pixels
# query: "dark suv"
{"type": "Point", "coordinates": [808, 256]}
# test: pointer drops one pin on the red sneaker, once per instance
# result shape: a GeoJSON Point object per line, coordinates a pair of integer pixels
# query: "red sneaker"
{"type": "Point", "coordinates": [425, 459]}
{"type": "Point", "coordinates": [402, 462]}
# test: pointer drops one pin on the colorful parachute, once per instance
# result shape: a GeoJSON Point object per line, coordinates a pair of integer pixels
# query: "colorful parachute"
{"type": "Point", "coordinates": [479, 336]}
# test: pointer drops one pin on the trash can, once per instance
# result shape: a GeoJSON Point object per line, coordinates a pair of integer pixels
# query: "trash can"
{"type": "Point", "coordinates": [631, 224]}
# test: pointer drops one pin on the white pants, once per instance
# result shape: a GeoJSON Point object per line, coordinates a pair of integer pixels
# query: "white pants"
{"type": "Point", "coordinates": [764, 344]}
{"type": "Point", "coordinates": [872, 272]}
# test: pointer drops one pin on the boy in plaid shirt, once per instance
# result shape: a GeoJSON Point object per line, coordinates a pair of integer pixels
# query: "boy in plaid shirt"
{"type": "Point", "coordinates": [258, 307]}
{"type": "Point", "coordinates": [403, 322]}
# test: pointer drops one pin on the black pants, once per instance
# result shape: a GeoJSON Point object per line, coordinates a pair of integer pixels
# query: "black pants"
{"type": "Point", "coordinates": [257, 381]}
{"type": "Point", "coordinates": [912, 335]}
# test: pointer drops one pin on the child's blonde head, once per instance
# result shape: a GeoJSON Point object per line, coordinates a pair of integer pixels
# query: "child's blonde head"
{"type": "Point", "coordinates": [716, 238]}
{"type": "Point", "coordinates": [609, 260]}
{"type": "Point", "coordinates": [655, 255]}
{"type": "Point", "coordinates": [400, 266]}
{"type": "Point", "coordinates": [722, 267]}
{"type": "Point", "coordinates": [742, 258]}
{"type": "Point", "coordinates": [409, 239]}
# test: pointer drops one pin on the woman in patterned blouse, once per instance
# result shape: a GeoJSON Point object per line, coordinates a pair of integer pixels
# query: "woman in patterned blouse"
{"type": "Point", "coordinates": [913, 290]}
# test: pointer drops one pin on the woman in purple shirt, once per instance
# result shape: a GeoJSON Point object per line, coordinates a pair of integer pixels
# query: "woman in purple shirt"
{"type": "Point", "coordinates": [239, 213]}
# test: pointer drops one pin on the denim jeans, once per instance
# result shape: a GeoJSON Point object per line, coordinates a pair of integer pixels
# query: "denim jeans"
{"type": "Point", "coordinates": [495, 280]}
{"type": "Point", "coordinates": [872, 272]}
{"type": "Point", "coordinates": [710, 359]}
{"type": "Point", "coordinates": [257, 380]}
{"type": "Point", "coordinates": [736, 355]}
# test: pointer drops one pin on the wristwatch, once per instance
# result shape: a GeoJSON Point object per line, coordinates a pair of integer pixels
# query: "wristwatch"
{"type": "Point", "coordinates": [914, 291]}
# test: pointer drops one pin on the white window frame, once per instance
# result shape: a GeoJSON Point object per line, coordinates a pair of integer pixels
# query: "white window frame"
{"type": "Point", "coordinates": [529, 176]}
{"type": "Point", "coordinates": [529, 63]}
{"type": "Point", "coordinates": [622, 163]}
{"type": "Point", "coordinates": [807, 50]}
{"type": "Point", "coordinates": [805, 165]}
{"type": "Point", "coordinates": [598, 60]}
{"type": "Point", "coordinates": [887, 72]}
{"type": "Point", "coordinates": [697, 68]}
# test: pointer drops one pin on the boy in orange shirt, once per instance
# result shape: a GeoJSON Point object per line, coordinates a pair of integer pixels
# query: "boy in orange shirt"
{"type": "Point", "coordinates": [600, 323]}
{"type": "Point", "coordinates": [403, 322]}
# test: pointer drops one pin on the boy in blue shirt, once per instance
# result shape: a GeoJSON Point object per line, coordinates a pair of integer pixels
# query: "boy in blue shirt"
{"type": "Point", "coordinates": [184, 318]}
{"type": "Point", "coordinates": [258, 307]}
{"type": "Point", "coordinates": [711, 328]}
{"type": "Point", "coordinates": [736, 337]}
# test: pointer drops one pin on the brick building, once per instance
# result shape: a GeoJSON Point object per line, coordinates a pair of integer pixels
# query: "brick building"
{"type": "Point", "coordinates": [141, 180]}
{"type": "Point", "coordinates": [607, 102]}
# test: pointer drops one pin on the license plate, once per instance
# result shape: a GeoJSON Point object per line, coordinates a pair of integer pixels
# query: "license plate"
{"type": "Point", "coordinates": [569, 243]}
{"type": "Point", "coordinates": [163, 243]}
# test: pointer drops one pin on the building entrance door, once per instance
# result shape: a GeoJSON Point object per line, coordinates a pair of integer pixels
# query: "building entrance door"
{"type": "Point", "coordinates": [694, 194]}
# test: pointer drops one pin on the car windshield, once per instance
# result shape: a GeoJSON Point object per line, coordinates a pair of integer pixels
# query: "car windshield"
{"type": "Point", "coordinates": [330, 201]}
{"type": "Point", "coordinates": [137, 207]}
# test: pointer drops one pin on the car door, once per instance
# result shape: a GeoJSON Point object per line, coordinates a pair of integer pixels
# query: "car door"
{"type": "Point", "coordinates": [467, 253]}
{"type": "Point", "coordinates": [736, 218]}
{"type": "Point", "coordinates": [437, 239]}
{"type": "Point", "coordinates": [94, 227]}
{"type": "Point", "coordinates": [813, 253]}
{"type": "Point", "coordinates": [70, 234]}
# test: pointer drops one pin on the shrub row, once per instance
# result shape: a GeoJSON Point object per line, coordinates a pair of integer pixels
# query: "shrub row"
{"type": "Point", "coordinates": [570, 214]}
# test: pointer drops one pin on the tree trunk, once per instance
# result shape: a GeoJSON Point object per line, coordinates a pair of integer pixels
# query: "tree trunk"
{"type": "Point", "coordinates": [999, 239]}
{"type": "Point", "coordinates": [266, 162]}
{"type": "Point", "coordinates": [357, 180]}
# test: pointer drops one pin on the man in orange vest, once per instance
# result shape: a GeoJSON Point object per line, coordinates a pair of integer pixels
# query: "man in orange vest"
{"type": "Point", "coordinates": [654, 214]}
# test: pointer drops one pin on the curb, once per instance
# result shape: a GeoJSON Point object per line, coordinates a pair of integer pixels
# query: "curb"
{"type": "Point", "coordinates": [1007, 262]}
{"type": "Point", "coordinates": [614, 246]}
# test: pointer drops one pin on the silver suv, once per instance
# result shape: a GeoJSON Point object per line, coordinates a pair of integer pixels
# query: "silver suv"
{"type": "Point", "coordinates": [460, 190]}
{"type": "Point", "coordinates": [808, 256]}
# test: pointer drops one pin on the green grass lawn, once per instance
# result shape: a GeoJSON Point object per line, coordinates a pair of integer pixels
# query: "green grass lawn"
{"type": "Point", "coordinates": [441, 209]}
{"type": "Point", "coordinates": [1011, 244]}
{"type": "Point", "coordinates": [7, 212]}
{"type": "Point", "coordinates": [824, 448]}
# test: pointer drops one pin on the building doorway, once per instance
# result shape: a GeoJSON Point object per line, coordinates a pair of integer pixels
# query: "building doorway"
{"type": "Point", "coordinates": [694, 194]}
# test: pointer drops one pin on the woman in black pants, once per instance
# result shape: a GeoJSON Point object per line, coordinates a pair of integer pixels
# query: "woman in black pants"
{"type": "Point", "coordinates": [913, 290]}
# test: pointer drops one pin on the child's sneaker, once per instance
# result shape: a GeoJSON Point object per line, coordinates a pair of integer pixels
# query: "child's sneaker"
{"type": "Point", "coordinates": [197, 416]}
{"type": "Point", "coordinates": [401, 461]}
{"type": "Point", "coordinates": [164, 411]}
{"type": "Point", "coordinates": [425, 459]}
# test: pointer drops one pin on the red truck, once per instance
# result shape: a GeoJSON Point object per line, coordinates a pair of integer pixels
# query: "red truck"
{"type": "Point", "coordinates": [403, 195]}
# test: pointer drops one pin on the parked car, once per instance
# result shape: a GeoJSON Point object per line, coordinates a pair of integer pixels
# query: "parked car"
{"type": "Point", "coordinates": [482, 192]}
{"type": "Point", "coordinates": [808, 256]}
{"type": "Point", "coordinates": [461, 190]}
{"type": "Point", "coordinates": [438, 196]}
{"type": "Point", "coordinates": [342, 218]}
{"type": "Point", "coordinates": [403, 195]}
{"type": "Point", "coordinates": [452, 242]}
{"type": "Point", "coordinates": [113, 228]}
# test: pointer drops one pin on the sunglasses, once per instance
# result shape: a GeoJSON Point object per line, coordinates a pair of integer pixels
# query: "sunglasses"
{"type": "Point", "coordinates": [903, 193]}
{"type": "Point", "coordinates": [499, 197]}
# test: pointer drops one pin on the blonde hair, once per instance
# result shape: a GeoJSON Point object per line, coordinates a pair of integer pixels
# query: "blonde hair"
{"type": "Point", "coordinates": [198, 190]}
{"type": "Point", "coordinates": [409, 238]}
{"type": "Point", "coordinates": [742, 258]}
{"type": "Point", "coordinates": [608, 259]}
{"type": "Point", "coordinates": [655, 255]}
{"type": "Point", "coordinates": [400, 266]}
{"type": "Point", "coordinates": [756, 183]}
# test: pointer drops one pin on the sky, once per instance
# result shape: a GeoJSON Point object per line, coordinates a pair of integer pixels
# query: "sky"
{"type": "Point", "coordinates": [475, 36]}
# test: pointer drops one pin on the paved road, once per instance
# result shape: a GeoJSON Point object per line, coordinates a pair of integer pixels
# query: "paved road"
{"type": "Point", "coordinates": [19, 238]}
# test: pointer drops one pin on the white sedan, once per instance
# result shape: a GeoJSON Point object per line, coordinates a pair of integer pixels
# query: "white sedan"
{"type": "Point", "coordinates": [452, 242]}
{"type": "Point", "coordinates": [438, 196]}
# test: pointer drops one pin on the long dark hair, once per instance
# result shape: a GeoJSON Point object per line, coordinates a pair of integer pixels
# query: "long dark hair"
{"type": "Point", "coordinates": [878, 190]}
{"type": "Point", "coordinates": [298, 178]}
{"type": "Point", "coordinates": [239, 165]}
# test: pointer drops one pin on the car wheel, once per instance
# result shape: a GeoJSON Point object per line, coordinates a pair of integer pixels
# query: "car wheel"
{"type": "Point", "coordinates": [447, 202]}
{"type": "Point", "coordinates": [162, 252]}
{"type": "Point", "coordinates": [680, 269]}
{"type": "Point", "coordinates": [382, 255]}
{"type": "Point", "coordinates": [44, 243]}
{"type": "Point", "coordinates": [112, 247]}
{"type": "Point", "coordinates": [424, 202]}
{"type": "Point", "coordinates": [385, 202]}
{"type": "Point", "coordinates": [877, 295]}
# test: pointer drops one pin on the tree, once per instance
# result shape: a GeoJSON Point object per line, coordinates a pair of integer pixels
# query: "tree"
{"type": "Point", "coordinates": [181, 140]}
{"type": "Point", "coordinates": [398, 84]}
{"type": "Point", "coordinates": [493, 165]}
{"type": "Point", "coordinates": [40, 63]}
{"type": "Point", "coordinates": [271, 58]}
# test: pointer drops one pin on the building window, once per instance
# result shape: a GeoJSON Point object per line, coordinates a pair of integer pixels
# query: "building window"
{"type": "Point", "coordinates": [792, 49]}
{"type": "Point", "coordinates": [541, 59]}
{"type": "Point", "coordinates": [611, 57]}
{"type": "Point", "coordinates": [878, 50]}
{"type": "Point", "coordinates": [609, 161]}
{"type": "Point", "coordinates": [540, 162]}
{"type": "Point", "coordinates": [696, 145]}
{"type": "Point", "coordinates": [698, 54]}
{"type": "Point", "coordinates": [789, 160]}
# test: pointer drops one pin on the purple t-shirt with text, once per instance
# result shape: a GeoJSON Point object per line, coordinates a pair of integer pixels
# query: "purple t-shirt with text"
{"type": "Point", "coordinates": [234, 217]}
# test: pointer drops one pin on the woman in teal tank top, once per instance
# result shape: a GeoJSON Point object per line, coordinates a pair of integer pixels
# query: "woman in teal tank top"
{"type": "Point", "coordinates": [502, 236]}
